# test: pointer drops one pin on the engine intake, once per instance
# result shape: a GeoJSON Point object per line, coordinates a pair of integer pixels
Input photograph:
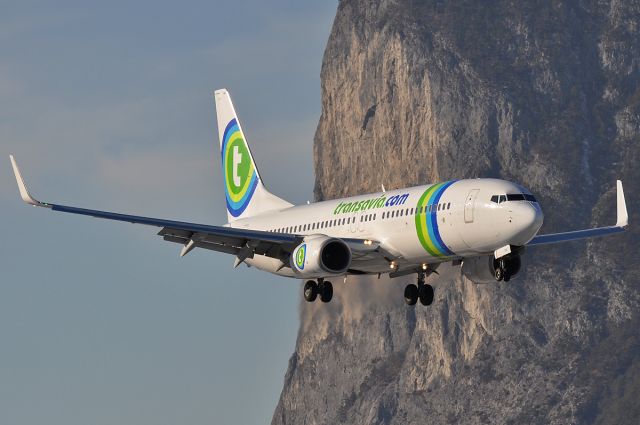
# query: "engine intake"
{"type": "Point", "coordinates": [320, 256]}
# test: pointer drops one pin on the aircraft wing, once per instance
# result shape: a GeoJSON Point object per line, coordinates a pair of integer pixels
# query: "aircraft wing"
{"type": "Point", "coordinates": [621, 222]}
{"type": "Point", "coordinates": [243, 243]}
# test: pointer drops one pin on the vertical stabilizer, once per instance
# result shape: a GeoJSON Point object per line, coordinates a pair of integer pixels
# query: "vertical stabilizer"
{"type": "Point", "coordinates": [245, 194]}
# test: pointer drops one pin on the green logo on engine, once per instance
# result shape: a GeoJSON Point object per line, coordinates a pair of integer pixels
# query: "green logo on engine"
{"type": "Point", "coordinates": [301, 255]}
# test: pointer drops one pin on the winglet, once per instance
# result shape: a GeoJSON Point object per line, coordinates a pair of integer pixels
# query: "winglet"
{"type": "Point", "coordinates": [623, 217]}
{"type": "Point", "coordinates": [24, 192]}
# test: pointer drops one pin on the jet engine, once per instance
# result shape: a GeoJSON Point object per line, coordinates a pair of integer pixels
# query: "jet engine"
{"type": "Point", "coordinates": [482, 269]}
{"type": "Point", "coordinates": [320, 256]}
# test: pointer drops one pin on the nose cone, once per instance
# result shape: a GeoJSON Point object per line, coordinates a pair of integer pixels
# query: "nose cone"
{"type": "Point", "coordinates": [528, 219]}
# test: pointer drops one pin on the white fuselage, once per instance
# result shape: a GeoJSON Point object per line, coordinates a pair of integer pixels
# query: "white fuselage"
{"type": "Point", "coordinates": [420, 225]}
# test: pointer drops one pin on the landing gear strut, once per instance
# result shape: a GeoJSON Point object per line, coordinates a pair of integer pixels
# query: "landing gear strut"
{"type": "Point", "coordinates": [324, 288]}
{"type": "Point", "coordinates": [422, 291]}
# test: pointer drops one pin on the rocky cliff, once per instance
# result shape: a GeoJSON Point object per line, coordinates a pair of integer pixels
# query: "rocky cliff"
{"type": "Point", "coordinates": [544, 93]}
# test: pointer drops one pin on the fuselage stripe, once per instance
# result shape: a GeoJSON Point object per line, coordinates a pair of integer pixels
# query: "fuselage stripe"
{"type": "Point", "coordinates": [434, 220]}
{"type": "Point", "coordinates": [427, 221]}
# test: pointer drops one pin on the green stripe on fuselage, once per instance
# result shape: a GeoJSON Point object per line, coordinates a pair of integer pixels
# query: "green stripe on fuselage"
{"type": "Point", "coordinates": [421, 222]}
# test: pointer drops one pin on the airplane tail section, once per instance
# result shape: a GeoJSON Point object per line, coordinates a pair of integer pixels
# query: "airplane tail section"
{"type": "Point", "coordinates": [245, 193]}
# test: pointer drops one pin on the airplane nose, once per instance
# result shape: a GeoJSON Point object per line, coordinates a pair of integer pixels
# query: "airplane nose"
{"type": "Point", "coordinates": [529, 219]}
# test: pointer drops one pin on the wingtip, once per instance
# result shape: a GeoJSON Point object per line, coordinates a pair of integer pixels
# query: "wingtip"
{"type": "Point", "coordinates": [621, 206]}
{"type": "Point", "coordinates": [22, 187]}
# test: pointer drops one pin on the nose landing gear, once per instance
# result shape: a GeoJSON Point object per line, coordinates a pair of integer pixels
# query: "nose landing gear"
{"type": "Point", "coordinates": [506, 267]}
{"type": "Point", "coordinates": [312, 290]}
{"type": "Point", "coordinates": [422, 291]}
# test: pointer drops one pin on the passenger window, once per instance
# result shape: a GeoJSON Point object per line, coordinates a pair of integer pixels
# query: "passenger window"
{"type": "Point", "coordinates": [449, 206]}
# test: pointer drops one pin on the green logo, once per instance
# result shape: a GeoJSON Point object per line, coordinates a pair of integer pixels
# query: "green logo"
{"type": "Point", "coordinates": [301, 255]}
{"type": "Point", "coordinates": [240, 176]}
{"type": "Point", "coordinates": [238, 168]}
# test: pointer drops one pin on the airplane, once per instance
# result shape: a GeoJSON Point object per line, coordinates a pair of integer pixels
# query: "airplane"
{"type": "Point", "coordinates": [482, 225]}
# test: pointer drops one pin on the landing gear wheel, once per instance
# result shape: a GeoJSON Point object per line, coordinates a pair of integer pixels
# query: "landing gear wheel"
{"type": "Point", "coordinates": [411, 294]}
{"type": "Point", "coordinates": [507, 277]}
{"type": "Point", "coordinates": [310, 291]}
{"type": "Point", "coordinates": [326, 291]}
{"type": "Point", "coordinates": [426, 294]}
{"type": "Point", "coordinates": [499, 274]}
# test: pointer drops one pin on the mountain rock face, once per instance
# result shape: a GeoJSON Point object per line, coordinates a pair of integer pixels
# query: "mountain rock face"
{"type": "Point", "coordinates": [544, 93]}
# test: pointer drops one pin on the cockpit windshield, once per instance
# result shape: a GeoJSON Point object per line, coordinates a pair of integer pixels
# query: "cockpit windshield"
{"type": "Point", "coordinates": [498, 199]}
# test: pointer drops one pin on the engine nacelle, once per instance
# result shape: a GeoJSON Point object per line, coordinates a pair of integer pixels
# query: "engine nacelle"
{"type": "Point", "coordinates": [482, 269]}
{"type": "Point", "coordinates": [320, 256]}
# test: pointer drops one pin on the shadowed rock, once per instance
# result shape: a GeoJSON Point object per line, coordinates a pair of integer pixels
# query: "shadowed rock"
{"type": "Point", "coordinates": [546, 94]}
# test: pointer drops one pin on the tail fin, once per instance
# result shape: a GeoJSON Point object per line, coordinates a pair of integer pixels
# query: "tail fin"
{"type": "Point", "coordinates": [245, 193]}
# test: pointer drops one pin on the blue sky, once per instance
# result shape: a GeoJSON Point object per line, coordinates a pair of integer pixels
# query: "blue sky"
{"type": "Point", "coordinates": [110, 106]}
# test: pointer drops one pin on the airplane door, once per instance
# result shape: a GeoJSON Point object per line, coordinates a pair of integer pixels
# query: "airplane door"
{"type": "Point", "coordinates": [469, 205]}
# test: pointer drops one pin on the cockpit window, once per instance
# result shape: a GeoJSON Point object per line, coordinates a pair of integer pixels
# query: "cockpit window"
{"type": "Point", "coordinates": [520, 197]}
{"type": "Point", "coordinates": [498, 199]}
{"type": "Point", "coordinates": [515, 197]}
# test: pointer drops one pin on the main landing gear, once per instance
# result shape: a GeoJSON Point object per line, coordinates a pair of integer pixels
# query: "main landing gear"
{"type": "Point", "coordinates": [422, 291]}
{"type": "Point", "coordinates": [322, 288]}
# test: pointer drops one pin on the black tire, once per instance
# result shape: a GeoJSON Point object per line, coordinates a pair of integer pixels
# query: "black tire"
{"type": "Point", "coordinates": [411, 294]}
{"type": "Point", "coordinates": [514, 264]}
{"type": "Point", "coordinates": [426, 294]}
{"type": "Point", "coordinates": [506, 277]}
{"type": "Point", "coordinates": [326, 291]}
{"type": "Point", "coordinates": [310, 291]}
{"type": "Point", "coordinates": [499, 274]}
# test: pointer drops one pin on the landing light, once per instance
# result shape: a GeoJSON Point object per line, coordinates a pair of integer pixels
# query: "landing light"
{"type": "Point", "coordinates": [424, 266]}
{"type": "Point", "coordinates": [368, 242]}
{"type": "Point", "coordinates": [393, 265]}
